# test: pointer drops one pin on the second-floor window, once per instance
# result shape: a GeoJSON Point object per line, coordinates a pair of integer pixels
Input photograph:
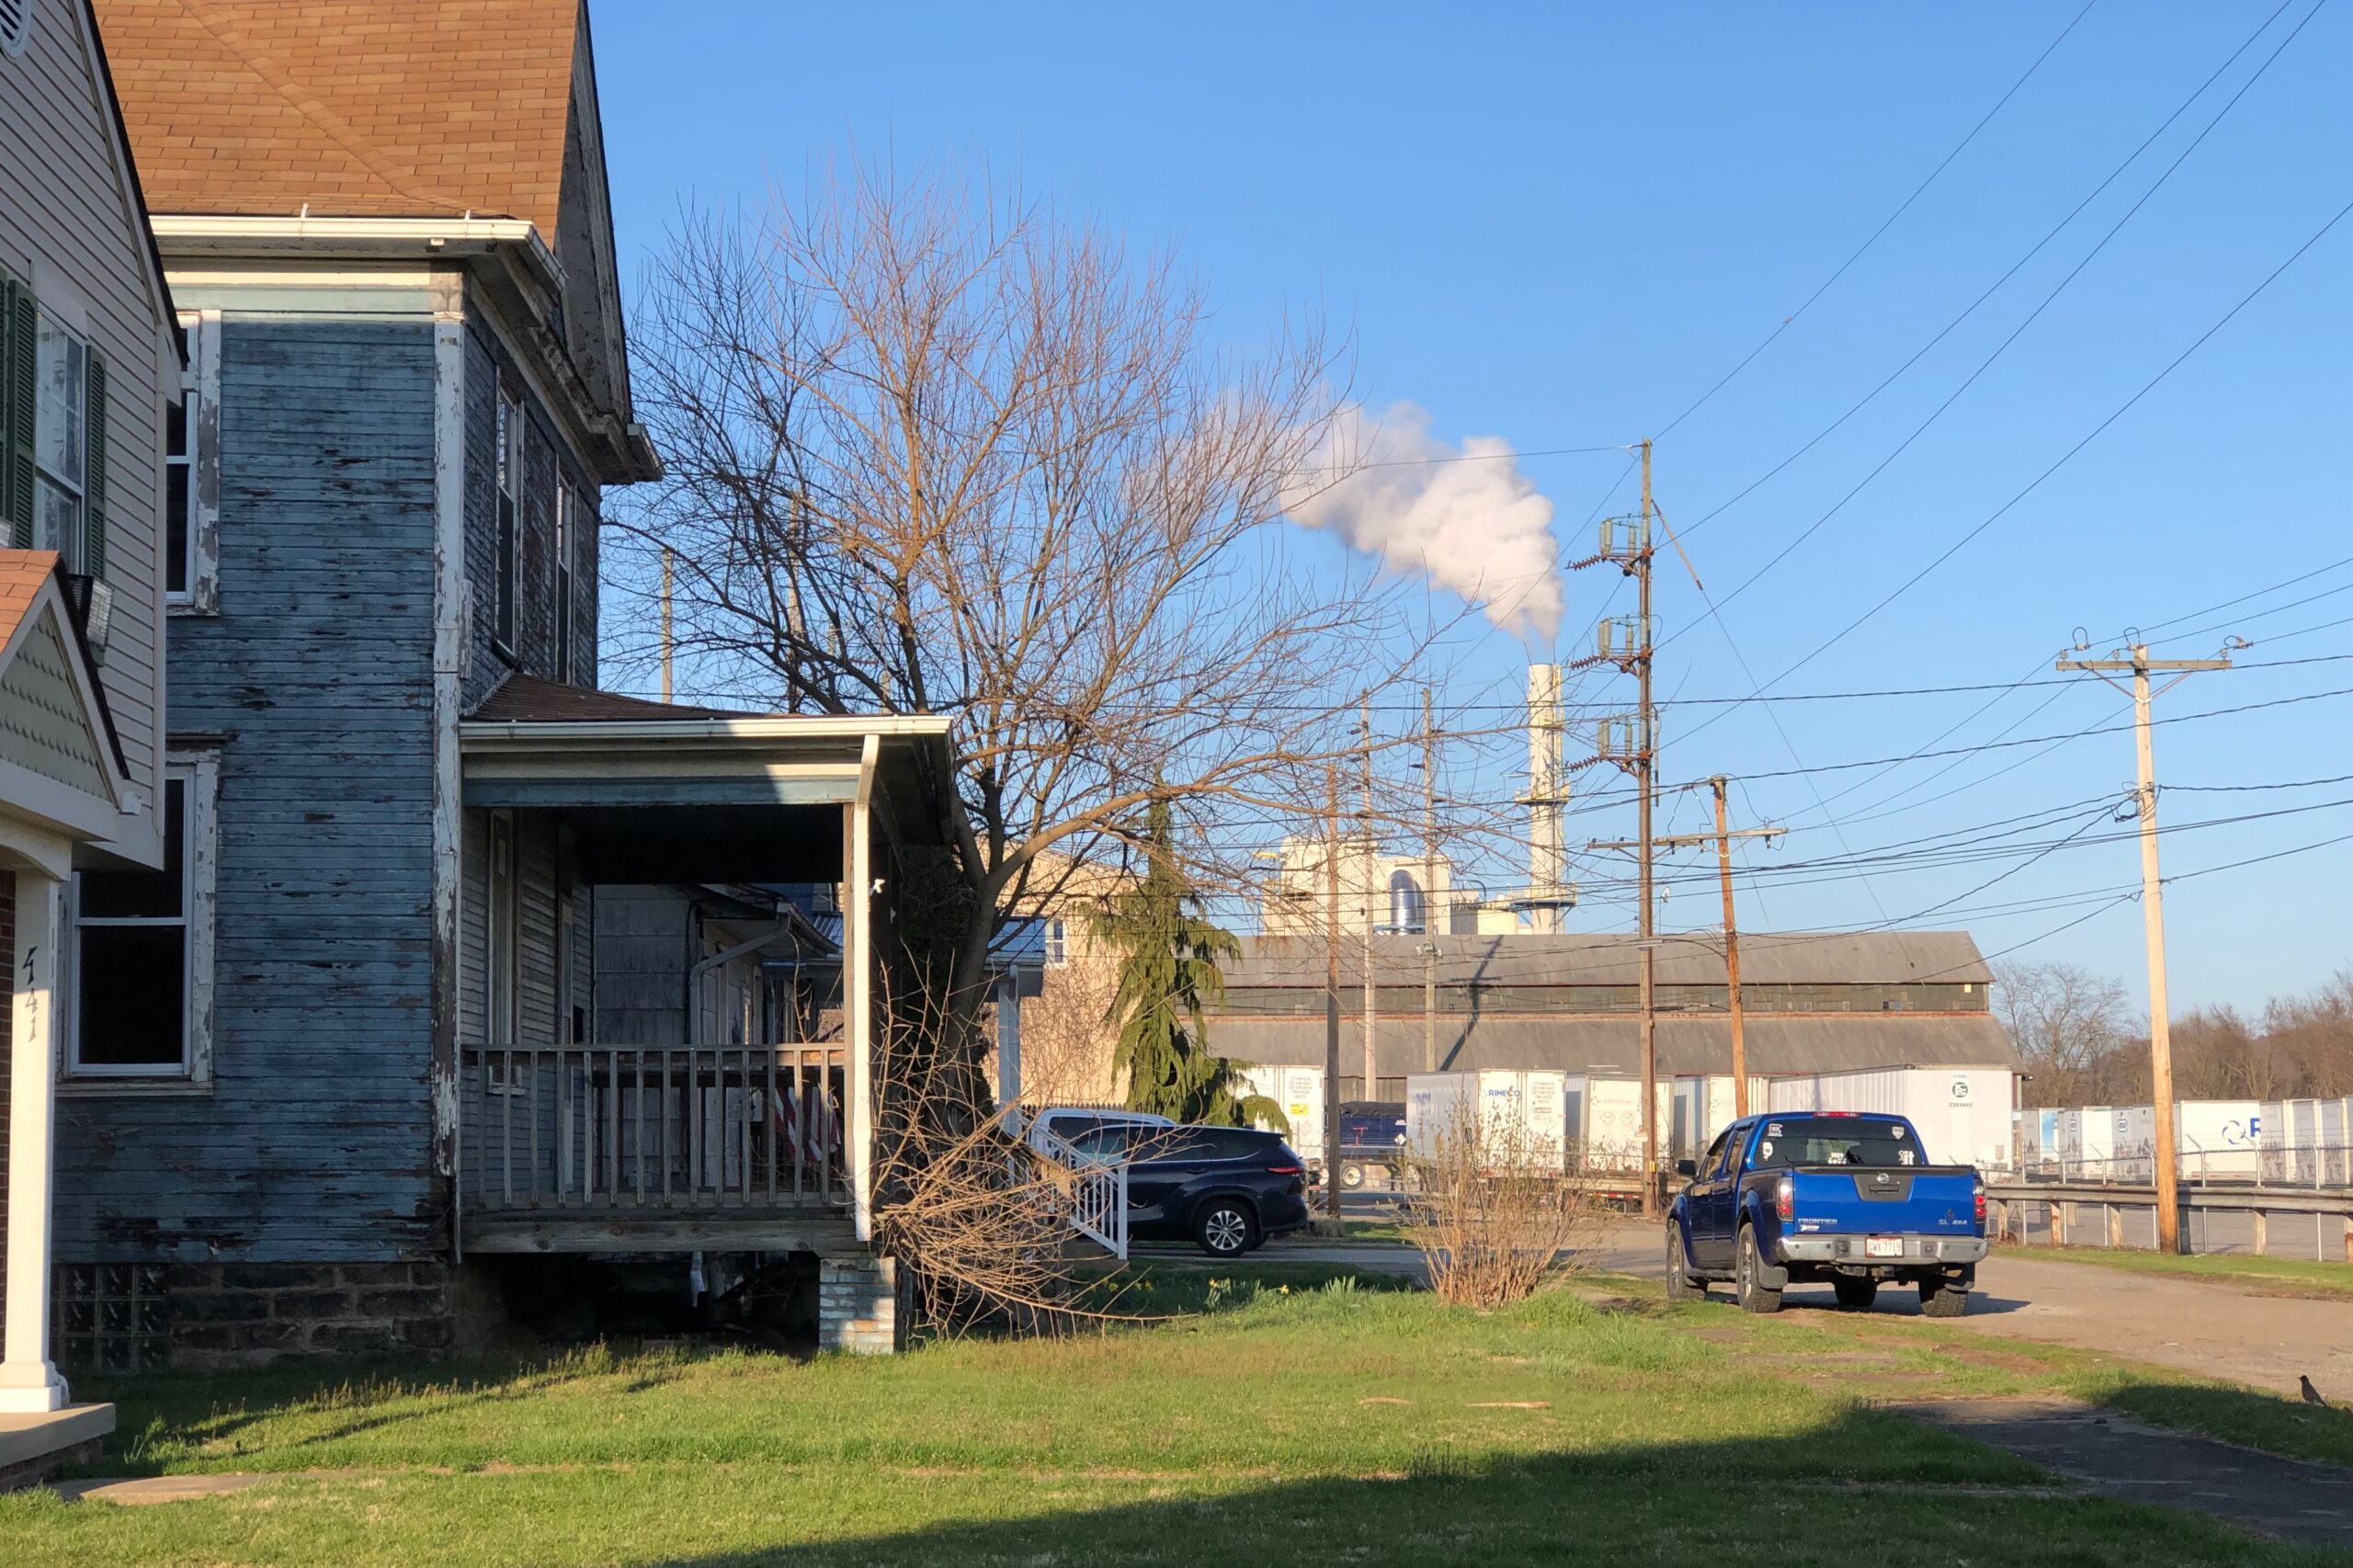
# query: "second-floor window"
{"type": "Point", "coordinates": [567, 534]}
{"type": "Point", "coordinates": [192, 428]}
{"type": "Point", "coordinates": [511, 524]}
{"type": "Point", "coordinates": [61, 467]}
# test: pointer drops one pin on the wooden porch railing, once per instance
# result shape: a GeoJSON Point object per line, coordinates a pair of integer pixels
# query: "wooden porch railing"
{"type": "Point", "coordinates": [700, 1128]}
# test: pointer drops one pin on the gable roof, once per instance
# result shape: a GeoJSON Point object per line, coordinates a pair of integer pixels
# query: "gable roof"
{"type": "Point", "coordinates": [386, 109]}
{"type": "Point", "coordinates": [53, 716]}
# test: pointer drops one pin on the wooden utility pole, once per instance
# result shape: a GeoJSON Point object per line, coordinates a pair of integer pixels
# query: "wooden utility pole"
{"type": "Point", "coordinates": [2152, 912]}
{"type": "Point", "coordinates": [1332, 989]}
{"type": "Point", "coordinates": [1721, 838]}
{"type": "Point", "coordinates": [1429, 888]}
{"type": "Point", "coordinates": [1645, 772]}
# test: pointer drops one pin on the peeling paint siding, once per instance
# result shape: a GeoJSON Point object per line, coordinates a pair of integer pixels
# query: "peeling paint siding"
{"type": "Point", "coordinates": [315, 1141]}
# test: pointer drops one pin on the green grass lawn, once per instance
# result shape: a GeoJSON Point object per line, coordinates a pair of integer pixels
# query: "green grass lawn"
{"type": "Point", "coordinates": [2292, 1275]}
{"type": "Point", "coordinates": [1298, 1418]}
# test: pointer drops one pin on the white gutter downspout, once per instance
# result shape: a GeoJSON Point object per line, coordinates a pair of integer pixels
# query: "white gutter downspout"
{"type": "Point", "coordinates": [857, 969]}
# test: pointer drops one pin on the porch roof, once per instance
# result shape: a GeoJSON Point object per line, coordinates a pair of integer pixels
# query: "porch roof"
{"type": "Point", "coordinates": [664, 793]}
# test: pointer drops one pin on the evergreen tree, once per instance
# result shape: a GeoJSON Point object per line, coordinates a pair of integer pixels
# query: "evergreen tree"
{"type": "Point", "coordinates": [1168, 969]}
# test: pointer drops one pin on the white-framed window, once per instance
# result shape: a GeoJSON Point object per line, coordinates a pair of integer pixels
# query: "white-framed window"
{"type": "Point", "coordinates": [141, 956]}
{"type": "Point", "coordinates": [191, 473]}
{"type": "Point", "coordinates": [507, 591]}
{"type": "Point", "coordinates": [1057, 942]}
{"type": "Point", "coordinates": [567, 533]}
{"type": "Point", "coordinates": [61, 443]}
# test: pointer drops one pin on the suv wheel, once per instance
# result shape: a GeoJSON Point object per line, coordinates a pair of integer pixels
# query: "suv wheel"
{"type": "Point", "coordinates": [1226, 1228]}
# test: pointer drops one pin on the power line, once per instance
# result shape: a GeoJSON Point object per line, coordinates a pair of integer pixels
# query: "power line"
{"type": "Point", "coordinates": [2032, 316]}
{"type": "Point", "coordinates": [2066, 457]}
{"type": "Point", "coordinates": [1901, 208]}
{"type": "Point", "coordinates": [1990, 291]}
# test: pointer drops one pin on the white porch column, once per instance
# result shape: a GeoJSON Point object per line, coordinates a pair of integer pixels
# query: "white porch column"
{"type": "Point", "coordinates": [1009, 1038]}
{"type": "Point", "coordinates": [29, 1383]}
{"type": "Point", "coordinates": [857, 978]}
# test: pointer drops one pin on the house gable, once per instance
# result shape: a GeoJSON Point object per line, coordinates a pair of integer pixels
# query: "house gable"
{"type": "Point", "coordinates": [46, 723]}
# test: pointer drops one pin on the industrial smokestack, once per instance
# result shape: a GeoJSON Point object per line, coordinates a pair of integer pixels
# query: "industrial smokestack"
{"type": "Point", "coordinates": [1547, 794]}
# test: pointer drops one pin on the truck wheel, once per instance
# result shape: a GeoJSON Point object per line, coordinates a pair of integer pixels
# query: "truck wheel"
{"type": "Point", "coordinates": [1748, 1286]}
{"type": "Point", "coordinates": [1681, 1285]}
{"type": "Point", "coordinates": [1855, 1295]}
{"type": "Point", "coordinates": [1941, 1298]}
{"type": "Point", "coordinates": [1351, 1175]}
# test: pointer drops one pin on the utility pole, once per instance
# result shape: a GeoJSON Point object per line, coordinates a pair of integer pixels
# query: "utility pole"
{"type": "Point", "coordinates": [1721, 838]}
{"type": "Point", "coordinates": [1645, 775]}
{"type": "Point", "coordinates": [2153, 911]}
{"type": "Point", "coordinates": [1429, 888]}
{"type": "Point", "coordinates": [668, 642]}
{"type": "Point", "coordinates": [1371, 918]}
{"type": "Point", "coordinates": [1626, 544]}
{"type": "Point", "coordinates": [1332, 988]}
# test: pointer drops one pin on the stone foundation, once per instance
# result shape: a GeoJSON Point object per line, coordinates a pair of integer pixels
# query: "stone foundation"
{"type": "Point", "coordinates": [212, 1317]}
{"type": "Point", "coordinates": [858, 1306]}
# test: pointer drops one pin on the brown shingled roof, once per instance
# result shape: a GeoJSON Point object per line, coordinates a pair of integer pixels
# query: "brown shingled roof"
{"type": "Point", "coordinates": [355, 107]}
{"type": "Point", "coordinates": [22, 573]}
{"type": "Point", "coordinates": [528, 699]}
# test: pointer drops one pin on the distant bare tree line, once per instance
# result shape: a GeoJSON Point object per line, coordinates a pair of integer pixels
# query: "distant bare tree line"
{"type": "Point", "coordinates": [2084, 1045]}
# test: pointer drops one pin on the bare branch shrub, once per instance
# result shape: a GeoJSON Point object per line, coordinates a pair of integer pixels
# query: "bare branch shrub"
{"type": "Point", "coordinates": [974, 1215]}
{"type": "Point", "coordinates": [1495, 1215]}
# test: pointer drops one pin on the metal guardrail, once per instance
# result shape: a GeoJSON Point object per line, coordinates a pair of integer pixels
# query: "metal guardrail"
{"type": "Point", "coordinates": [660, 1128]}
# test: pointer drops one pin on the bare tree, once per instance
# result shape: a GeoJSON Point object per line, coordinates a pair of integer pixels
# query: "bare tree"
{"type": "Point", "coordinates": [940, 451]}
{"type": "Point", "coordinates": [2066, 1021]}
{"type": "Point", "coordinates": [2316, 1034]}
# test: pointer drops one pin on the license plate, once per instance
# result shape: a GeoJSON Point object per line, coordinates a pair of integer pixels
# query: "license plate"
{"type": "Point", "coordinates": [1883, 1246]}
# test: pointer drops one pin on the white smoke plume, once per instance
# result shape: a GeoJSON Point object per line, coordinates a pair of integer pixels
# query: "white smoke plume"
{"type": "Point", "coordinates": [1477, 526]}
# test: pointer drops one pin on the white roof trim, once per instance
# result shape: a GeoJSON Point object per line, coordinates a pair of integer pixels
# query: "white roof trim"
{"type": "Point", "coordinates": [49, 600]}
{"type": "Point", "coordinates": [226, 233]}
{"type": "Point", "coordinates": [518, 734]}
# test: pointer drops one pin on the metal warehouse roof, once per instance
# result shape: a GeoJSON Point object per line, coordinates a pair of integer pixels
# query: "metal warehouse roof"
{"type": "Point", "coordinates": [1857, 958]}
{"type": "Point", "coordinates": [1777, 1046]}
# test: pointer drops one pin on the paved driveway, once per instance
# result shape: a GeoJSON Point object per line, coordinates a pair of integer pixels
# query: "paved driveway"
{"type": "Point", "coordinates": [2213, 1328]}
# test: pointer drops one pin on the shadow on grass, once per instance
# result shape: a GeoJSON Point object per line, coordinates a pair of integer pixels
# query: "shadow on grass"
{"type": "Point", "coordinates": [187, 1409]}
{"type": "Point", "coordinates": [2244, 1416]}
{"type": "Point", "coordinates": [1808, 1499]}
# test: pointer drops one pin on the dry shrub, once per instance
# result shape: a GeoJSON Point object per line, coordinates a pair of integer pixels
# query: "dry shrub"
{"type": "Point", "coordinates": [1495, 1215]}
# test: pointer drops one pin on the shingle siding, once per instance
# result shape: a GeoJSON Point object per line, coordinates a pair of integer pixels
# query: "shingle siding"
{"type": "Point", "coordinates": [316, 679]}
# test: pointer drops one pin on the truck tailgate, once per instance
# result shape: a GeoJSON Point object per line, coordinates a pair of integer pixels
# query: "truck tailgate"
{"type": "Point", "coordinates": [1916, 1200]}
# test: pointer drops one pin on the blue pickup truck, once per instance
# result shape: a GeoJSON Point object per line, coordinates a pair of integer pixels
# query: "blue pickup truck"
{"type": "Point", "coordinates": [1834, 1196]}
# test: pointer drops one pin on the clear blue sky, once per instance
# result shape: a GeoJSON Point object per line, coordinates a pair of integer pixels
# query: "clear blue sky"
{"type": "Point", "coordinates": [1560, 225]}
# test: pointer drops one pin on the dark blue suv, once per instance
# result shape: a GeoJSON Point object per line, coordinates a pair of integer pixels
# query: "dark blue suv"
{"type": "Point", "coordinates": [1224, 1188]}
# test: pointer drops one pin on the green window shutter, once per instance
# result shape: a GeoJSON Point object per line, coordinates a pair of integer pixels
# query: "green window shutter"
{"type": "Point", "coordinates": [19, 383]}
{"type": "Point", "coordinates": [94, 464]}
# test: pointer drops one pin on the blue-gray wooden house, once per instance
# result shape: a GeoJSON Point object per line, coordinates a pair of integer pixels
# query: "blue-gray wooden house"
{"type": "Point", "coordinates": [409, 807]}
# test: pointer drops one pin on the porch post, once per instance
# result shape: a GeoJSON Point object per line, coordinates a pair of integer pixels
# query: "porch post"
{"type": "Point", "coordinates": [858, 971]}
{"type": "Point", "coordinates": [1009, 1038]}
{"type": "Point", "coordinates": [28, 1383]}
